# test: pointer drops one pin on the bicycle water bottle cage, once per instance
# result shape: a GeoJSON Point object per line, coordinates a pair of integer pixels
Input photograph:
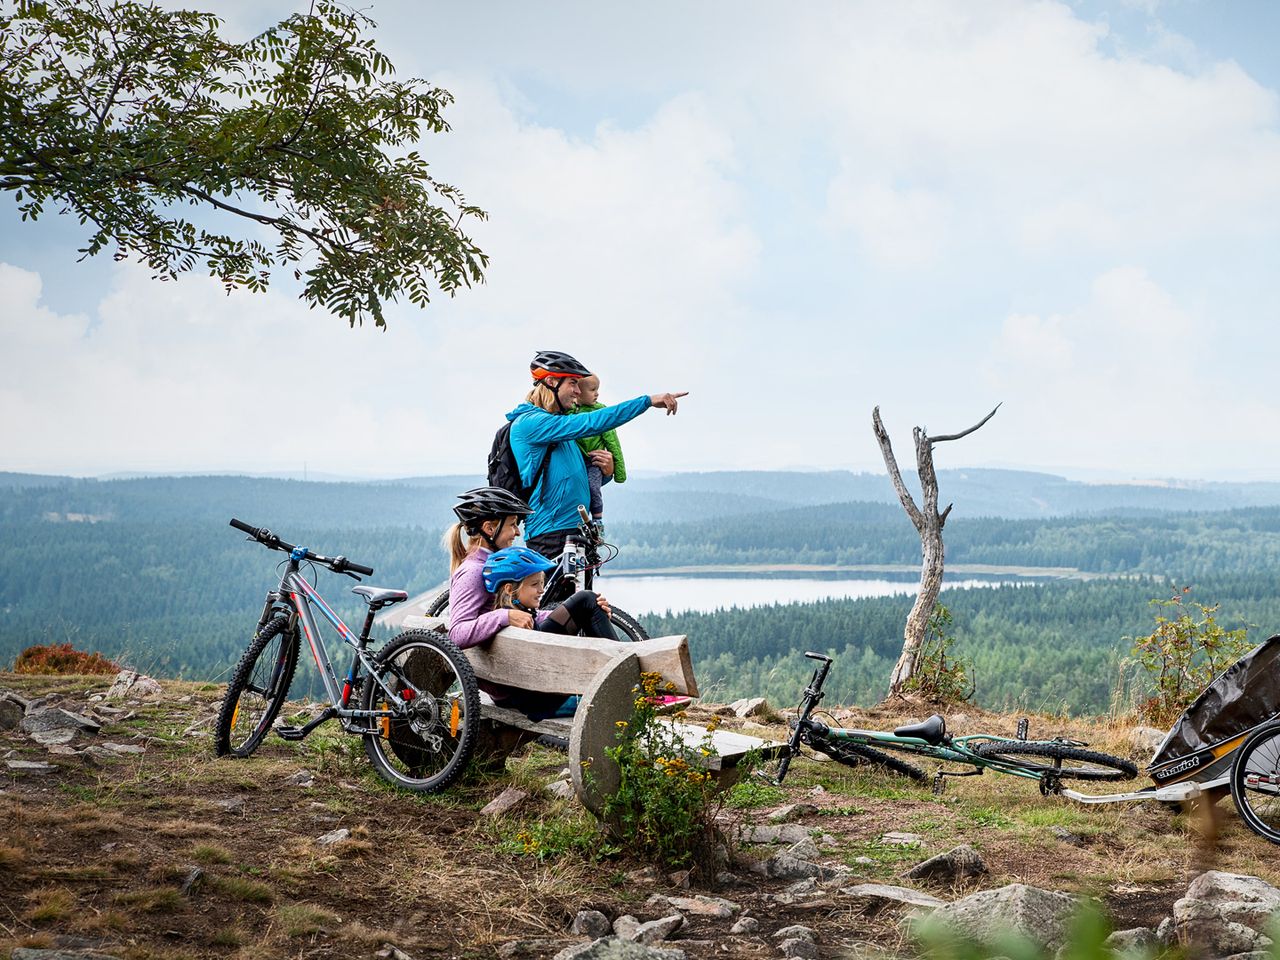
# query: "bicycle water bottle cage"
{"type": "Point", "coordinates": [298, 553]}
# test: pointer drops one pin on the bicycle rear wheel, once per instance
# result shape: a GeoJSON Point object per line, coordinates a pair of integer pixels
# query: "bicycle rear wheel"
{"type": "Point", "coordinates": [257, 689]}
{"type": "Point", "coordinates": [1255, 782]}
{"type": "Point", "coordinates": [1065, 760]}
{"type": "Point", "coordinates": [857, 755]}
{"type": "Point", "coordinates": [627, 627]}
{"type": "Point", "coordinates": [426, 746]}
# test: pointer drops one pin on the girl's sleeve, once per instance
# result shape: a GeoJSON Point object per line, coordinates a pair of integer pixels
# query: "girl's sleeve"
{"type": "Point", "coordinates": [614, 446]}
{"type": "Point", "coordinates": [542, 429]}
{"type": "Point", "coordinates": [470, 621]}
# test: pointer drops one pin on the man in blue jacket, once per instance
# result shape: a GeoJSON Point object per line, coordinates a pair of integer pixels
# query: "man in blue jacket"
{"type": "Point", "coordinates": [541, 430]}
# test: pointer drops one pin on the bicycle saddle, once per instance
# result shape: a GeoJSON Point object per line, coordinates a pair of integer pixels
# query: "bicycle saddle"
{"type": "Point", "coordinates": [932, 731]}
{"type": "Point", "coordinates": [379, 597]}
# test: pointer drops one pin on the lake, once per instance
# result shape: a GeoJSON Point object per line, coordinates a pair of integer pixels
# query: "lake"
{"type": "Point", "coordinates": [660, 593]}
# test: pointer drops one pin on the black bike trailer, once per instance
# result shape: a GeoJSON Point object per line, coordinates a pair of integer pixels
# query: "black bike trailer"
{"type": "Point", "coordinates": [1201, 745]}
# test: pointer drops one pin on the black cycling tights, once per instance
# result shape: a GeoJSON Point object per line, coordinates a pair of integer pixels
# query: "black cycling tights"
{"type": "Point", "coordinates": [584, 611]}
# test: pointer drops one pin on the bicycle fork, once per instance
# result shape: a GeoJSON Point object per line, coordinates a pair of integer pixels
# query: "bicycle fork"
{"type": "Point", "coordinates": [812, 697]}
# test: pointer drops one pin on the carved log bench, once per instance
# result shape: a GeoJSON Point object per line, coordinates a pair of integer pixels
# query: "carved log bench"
{"type": "Point", "coordinates": [605, 674]}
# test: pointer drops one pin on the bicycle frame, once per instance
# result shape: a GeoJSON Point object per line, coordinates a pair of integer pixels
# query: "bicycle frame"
{"type": "Point", "coordinates": [297, 595]}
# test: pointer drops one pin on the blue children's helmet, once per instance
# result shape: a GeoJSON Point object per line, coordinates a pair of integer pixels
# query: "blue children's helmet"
{"type": "Point", "coordinates": [512, 565]}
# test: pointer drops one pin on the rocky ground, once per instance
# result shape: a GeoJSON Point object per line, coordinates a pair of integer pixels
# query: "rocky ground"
{"type": "Point", "coordinates": [121, 834]}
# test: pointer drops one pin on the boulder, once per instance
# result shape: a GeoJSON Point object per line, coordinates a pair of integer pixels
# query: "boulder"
{"type": "Point", "coordinates": [799, 949]}
{"type": "Point", "coordinates": [775, 833]}
{"type": "Point", "coordinates": [626, 927]}
{"type": "Point", "coordinates": [751, 707]}
{"type": "Point", "coordinates": [591, 923]}
{"type": "Point", "coordinates": [792, 811]}
{"type": "Point", "coordinates": [655, 931]}
{"type": "Point", "coordinates": [887, 894]}
{"type": "Point", "coordinates": [48, 719]}
{"type": "Point", "coordinates": [1137, 939]}
{"type": "Point", "coordinates": [1041, 916]}
{"type": "Point", "coordinates": [614, 948]}
{"type": "Point", "coordinates": [957, 863]}
{"type": "Point", "coordinates": [745, 927]}
{"type": "Point", "coordinates": [11, 714]}
{"type": "Point", "coordinates": [1146, 740]}
{"type": "Point", "coordinates": [1226, 913]}
{"type": "Point", "coordinates": [133, 685]}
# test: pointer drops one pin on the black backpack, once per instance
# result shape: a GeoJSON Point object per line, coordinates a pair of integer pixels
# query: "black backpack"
{"type": "Point", "coordinates": [503, 470]}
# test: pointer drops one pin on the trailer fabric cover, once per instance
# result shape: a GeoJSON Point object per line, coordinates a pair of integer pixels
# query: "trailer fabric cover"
{"type": "Point", "coordinates": [1244, 695]}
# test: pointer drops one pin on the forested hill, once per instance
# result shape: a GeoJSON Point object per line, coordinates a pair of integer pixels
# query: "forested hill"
{"type": "Point", "coordinates": [148, 567]}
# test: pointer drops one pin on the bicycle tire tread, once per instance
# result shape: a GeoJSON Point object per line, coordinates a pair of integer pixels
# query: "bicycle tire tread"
{"type": "Point", "coordinates": [1121, 769]}
{"type": "Point", "coordinates": [239, 676]}
{"type": "Point", "coordinates": [857, 755]}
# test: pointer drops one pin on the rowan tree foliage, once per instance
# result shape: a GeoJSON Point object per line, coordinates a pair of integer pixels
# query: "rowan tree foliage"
{"type": "Point", "coordinates": [298, 145]}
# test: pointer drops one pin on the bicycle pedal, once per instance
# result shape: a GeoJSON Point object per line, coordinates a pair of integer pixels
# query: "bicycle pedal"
{"type": "Point", "coordinates": [292, 734]}
{"type": "Point", "coordinates": [939, 785]}
{"type": "Point", "coordinates": [1022, 728]}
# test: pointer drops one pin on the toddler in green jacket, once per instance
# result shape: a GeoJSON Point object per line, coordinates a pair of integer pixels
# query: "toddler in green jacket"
{"type": "Point", "coordinates": [589, 399]}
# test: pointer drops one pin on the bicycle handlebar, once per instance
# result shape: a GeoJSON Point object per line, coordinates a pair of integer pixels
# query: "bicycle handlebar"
{"type": "Point", "coordinates": [273, 542]}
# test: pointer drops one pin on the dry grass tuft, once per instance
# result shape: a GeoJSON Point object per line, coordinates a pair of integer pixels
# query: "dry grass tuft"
{"type": "Point", "coordinates": [49, 904]}
{"type": "Point", "coordinates": [11, 857]}
{"type": "Point", "coordinates": [241, 888]}
{"type": "Point", "coordinates": [210, 853]}
{"type": "Point", "coordinates": [304, 919]}
{"type": "Point", "coordinates": [186, 828]}
{"type": "Point", "coordinates": [152, 900]}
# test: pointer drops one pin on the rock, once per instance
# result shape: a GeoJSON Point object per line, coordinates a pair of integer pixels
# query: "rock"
{"type": "Point", "coordinates": [533, 947]}
{"type": "Point", "coordinates": [390, 951]}
{"type": "Point", "coordinates": [1226, 913]}
{"type": "Point", "coordinates": [643, 875]}
{"type": "Point", "coordinates": [1133, 940]}
{"type": "Point", "coordinates": [792, 811]}
{"type": "Point", "coordinates": [698, 906]}
{"type": "Point", "coordinates": [796, 932]}
{"type": "Point", "coordinates": [11, 714]}
{"type": "Point", "coordinates": [895, 839]}
{"type": "Point", "coordinates": [956, 864]}
{"type": "Point", "coordinates": [745, 927]}
{"type": "Point", "coordinates": [818, 791]}
{"type": "Point", "coordinates": [775, 833]}
{"type": "Point", "coordinates": [680, 878]}
{"type": "Point", "coordinates": [1041, 916]}
{"type": "Point", "coordinates": [53, 738]}
{"type": "Point", "coordinates": [333, 836]}
{"type": "Point", "coordinates": [231, 804]}
{"type": "Point", "coordinates": [799, 949]}
{"type": "Point", "coordinates": [801, 887]}
{"type": "Point", "coordinates": [613, 948]}
{"type": "Point", "coordinates": [55, 718]}
{"type": "Point", "coordinates": [1146, 740]}
{"type": "Point", "coordinates": [750, 707]}
{"type": "Point", "coordinates": [192, 881]}
{"type": "Point", "coordinates": [62, 750]}
{"type": "Point", "coordinates": [626, 926]}
{"type": "Point", "coordinates": [503, 802]}
{"type": "Point", "coordinates": [32, 953]}
{"type": "Point", "coordinates": [137, 686]}
{"type": "Point", "coordinates": [123, 748]}
{"type": "Point", "coordinates": [1066, 836]}
{"type": "Point", "coordinates": [303, 778]}
{"type": "Point", "coordinates": [590, 923]}
{"type": "Point", "coordinates": [1166, 933]}
{"type": "Point", "coordinates": [884, 893]}
{"type": "Point", "coordinates": [560, 789]}
{"type": "Point", "coordinates": [655, 931]}
{"type": "Point", "coordinates": [33, 767]}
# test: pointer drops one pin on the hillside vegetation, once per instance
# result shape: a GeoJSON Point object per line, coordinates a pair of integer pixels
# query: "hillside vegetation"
{"type": "Point", "coordinates": [148, 571]}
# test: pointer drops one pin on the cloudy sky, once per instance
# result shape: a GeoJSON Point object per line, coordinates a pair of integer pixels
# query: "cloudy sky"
{"type": "Point", "coordinates": [795, 212]}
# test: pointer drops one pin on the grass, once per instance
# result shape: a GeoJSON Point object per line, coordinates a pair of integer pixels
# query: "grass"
{"type": "Point", "coordinates": [11, 857]}
{"type": "Point", "coordinates": [152, 900]}
{"type": "Point", "coordinates": [50, 904]}
{"type": "Point", "coordinates": [210, 853]}
{"type": "Point", "coordinates": [304, 919]}
{"type": "Point", "coordinates": [749, 794]}
{"type": "Point", "coordinates": [240, 888]}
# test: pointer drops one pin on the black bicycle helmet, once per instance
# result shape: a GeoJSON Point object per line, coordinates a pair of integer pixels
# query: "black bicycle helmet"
{"type": "Point", "coordinates": [553, 363]}
{"type": "Point", "coordinates": [488, 503]}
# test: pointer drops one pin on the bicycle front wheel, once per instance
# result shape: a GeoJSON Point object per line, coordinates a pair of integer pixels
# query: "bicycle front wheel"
{"type": "Point", "coordinates": [857, 755]}
{"type": "Point", "coordinates": [1057, 759]}
{"type": "Point", "coordinates": [423, 745]}
{"type": "Point", "coordinates": [1255, 782]}
{"type": "Point", "coordinates": [439, 605]}
{"type": "Point", "coordinates": [257, 690]}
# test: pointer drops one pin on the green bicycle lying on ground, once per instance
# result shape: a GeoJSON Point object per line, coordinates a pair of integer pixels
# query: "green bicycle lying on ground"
{"type": "Point", "coordinates": [1047, 761]}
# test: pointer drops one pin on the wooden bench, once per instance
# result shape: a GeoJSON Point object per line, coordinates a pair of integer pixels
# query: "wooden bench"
{"type": "Point", "coordinates": [605, 674]}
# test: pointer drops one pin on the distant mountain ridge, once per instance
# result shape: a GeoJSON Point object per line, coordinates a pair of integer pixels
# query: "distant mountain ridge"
{"type": "Point", "coordinates": [425, 501]}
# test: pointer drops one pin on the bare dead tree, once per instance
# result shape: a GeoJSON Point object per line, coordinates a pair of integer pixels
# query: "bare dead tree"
{"type": "Point", "coordinates": [928, 523]}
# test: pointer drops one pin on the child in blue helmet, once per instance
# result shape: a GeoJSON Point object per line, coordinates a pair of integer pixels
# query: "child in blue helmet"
{"type": "Point", "coordinates": [516, 576]}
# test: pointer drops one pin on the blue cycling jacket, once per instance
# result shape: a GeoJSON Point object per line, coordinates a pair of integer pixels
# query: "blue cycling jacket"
{"type": "Point", "coordinates": [535, 434]}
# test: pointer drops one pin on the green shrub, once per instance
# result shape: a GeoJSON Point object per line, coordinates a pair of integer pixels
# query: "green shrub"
{"type": "Point", "coordinates": [939, 678]}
